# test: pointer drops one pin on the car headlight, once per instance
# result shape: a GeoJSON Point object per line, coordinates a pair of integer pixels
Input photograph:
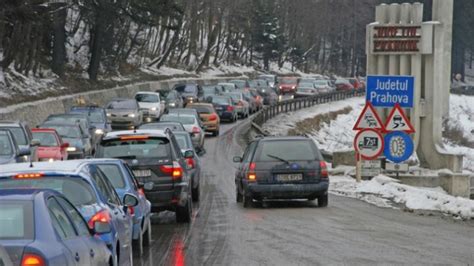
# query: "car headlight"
{"type": "Point", "coordinates": [294, 87]}
{"type": "Point", "coordinates": [71, 149]}
{"type": "Point", "coordinates": [153, 108]}
{"type": "Point", "coordinates": [99, 131]}
{"type": "Point", "coordinates": [172, 104]}
{"type": "Point", "coordinates": [109, 115]}
{"type": "Point", "coordinates": [263, 91]}
{"type": "Point", "coordinates": [51, 160]}
{"type": "Point", "coordinates": [131, 115]}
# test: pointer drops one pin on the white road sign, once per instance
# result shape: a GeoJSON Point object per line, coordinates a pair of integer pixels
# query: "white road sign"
{"type": "Point", "coordinates": [368, 119]}
{"type": "Point", "coordinates": [398, 121]}
{"type": "Point", "coordinates": [369, 144]}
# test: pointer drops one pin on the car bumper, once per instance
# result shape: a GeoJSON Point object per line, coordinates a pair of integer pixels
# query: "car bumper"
{"type": "Point", "coordinates": [226, 115]}
{"type": "Point", "coordinates": [75, 155]}
{"type": "Point", "coordinates": [211, 126]}
{"type": "Point", "coordinates": [286, 191]}
{"type": "Point", "coordinates": [168, 199]}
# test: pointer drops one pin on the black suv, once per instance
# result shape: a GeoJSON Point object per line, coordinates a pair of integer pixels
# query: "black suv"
{"type": "Point", "coordinates": [158, 164]}
{"type": "Point", "coordinates": [281, 168]}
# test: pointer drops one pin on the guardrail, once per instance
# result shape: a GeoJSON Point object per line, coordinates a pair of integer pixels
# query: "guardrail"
{"type": "Point", "coordinates": [271, 111]}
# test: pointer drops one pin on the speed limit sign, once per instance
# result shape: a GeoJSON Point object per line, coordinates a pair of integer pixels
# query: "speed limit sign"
{"type": "Point", "coordinates": [369, 144]}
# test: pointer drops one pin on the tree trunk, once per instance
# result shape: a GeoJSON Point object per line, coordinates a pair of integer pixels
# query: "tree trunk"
{"type": "Point", "coordinates": [59, 42]}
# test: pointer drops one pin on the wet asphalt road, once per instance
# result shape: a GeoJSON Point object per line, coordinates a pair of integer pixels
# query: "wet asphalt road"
{"type": "Point", "coordinates": [348, 232]}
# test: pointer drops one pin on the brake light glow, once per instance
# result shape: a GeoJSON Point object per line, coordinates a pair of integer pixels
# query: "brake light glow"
{"type": "Point", "coordinates": [141, 192]}
{"type": "Point", "coordinates": [32, 260]}
{"type": "Point", "coordinates": [28, 176]}
{"type": "Point", "coordinates": [252, 166]}
{"type": "Point", "coordinates": [175, 170]}
{"type": "Point", "coordinates": [190, 162]}
{"type": "Point", "coordinates": [252, 177]}
{"type": "Point", "coordinates": [196, 130]}
{"type": "Point", "coordinates": [131, 211]}
{"type": "Point", "coordinates": [213, 117]}
{"type": "Point", "coordinates": [324, 170]}
{"type": "Point", "coordinates": [133, 137]}
{"type": "Point", "coordinates": [101, 217]}
{"type": "Point", "coordinates": [230, 108]}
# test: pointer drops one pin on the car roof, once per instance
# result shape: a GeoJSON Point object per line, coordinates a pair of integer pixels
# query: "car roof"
{"type": "Point", "coordinates": [199, 104]}
{"type": "Point", "coordinates": [147, 92]}
{"type": "Point", "coordinates": [121, 100]}
{"type": "Point", "coordinates": [10, 123]}
{"type": "Point", "coordinates": [59, 167]}
{"type": "Point", "coordinates": [23, 193]}
{"type": "Point", "coordinates": [148, 132]}
{"type": "Point", "coordinates": [226, 83]}
{"type": "Point", "coordinates": [52, 130]}
{"type": "Point", "coordinates": [272, 138]}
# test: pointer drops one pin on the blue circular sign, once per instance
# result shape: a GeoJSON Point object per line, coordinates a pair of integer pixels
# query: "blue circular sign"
{"type": "Point", "coordinates": [398, 146]}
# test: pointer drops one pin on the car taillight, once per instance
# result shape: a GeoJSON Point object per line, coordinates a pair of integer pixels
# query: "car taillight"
{"type": "Point", "coordinates": [131, 211]}
{"type": "Point", "coordinates": [196, 130]}
{"type": "Point", "coordinates": [175, 170]}
{"type": "Point", "coordinates": [324, 170]}
{"type": "Point", "coordinates": [252, 166]}
{"type": "Point", "coordinates": [251, 176]}
{"type": "Point", "coordinates": [141, 192]}
{"type": "Point", "coordinates": [213, 117]}
{"type": "Point", "coordinates": [230, 108]}
{"type": "Point", "coordinates": [190, 162]}
{"type": "Point", "coordinates": [240, 103]}
{"type": "Point", "coordinates": [28, 176]}
{"type": "Point", "coordinates": [32, 260]}
{"type": "Point", "coordinates": [101, 217]}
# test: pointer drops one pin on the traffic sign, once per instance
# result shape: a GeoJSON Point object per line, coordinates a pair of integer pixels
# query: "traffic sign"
{"type": "Point", "coordinates": [371, 168]}
{"type": "Point", "coordinates": [369, 144]}
{"type": "Point", "coordinates": [368, 119]}
{"type": "Point", "coordinates": [386, 91]}
{"type": "Point", "coordinates": [398, 146]}
{"type": "Point", "coordinates": [398, 121]}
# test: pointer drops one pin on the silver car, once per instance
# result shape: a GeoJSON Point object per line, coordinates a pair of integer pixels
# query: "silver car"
{"type": "Point", "coordinates": [324, 86]}
{"type": "Point", "coordinates": [192, 125]}
{"type": "Point", "coordinates": [242, 106]}
{"type": "Point", "coordinates": [306, 90]}
{"type": "Point", "coordinates": [124, 113]}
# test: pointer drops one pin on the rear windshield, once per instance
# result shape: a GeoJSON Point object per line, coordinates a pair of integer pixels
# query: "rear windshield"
{"type": "Point", "coordinates": [289, 150]}
{"type": "Point", "coordinates": [220, 100]}
{"type": "Point", "coordinates": [172, 126]}
{"type": "Point", "coordinates": [46, 139]}
{"type": "Point", "coordinates": [202, 109]}
{"type": "Point", "coordinates": [6, 148]}
{"type": "Point", "coordinates": [183, 141]}
{"type": "Point", "coordinates": [78, 191]}
{"type": "Point", "coordinates": [135, 148]}
{"type": "Point", "coordinates": [95, 115]}
{"type": "Point", "coordinates": [147, 98]}
{"type": "Point", "coordinates": [114, 174]}
{"type": "Point", "coordinates": [18, 134]}
{"type": "Point", "coordinates": [185, 120]}
{"type": "Point", "coordinates": [122, 105]}
{"type": "Point", "coordinates": [16, 220]}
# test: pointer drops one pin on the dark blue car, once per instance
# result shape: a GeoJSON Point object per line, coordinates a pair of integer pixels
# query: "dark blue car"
{"type": "Point", "coordinates": [41, 227]}
{"type": "Point", "coordinates": [123, 180]}
{"type": "Point", "coordinates": [87, 188]}
{"type": "Point", "coordinates": [97, 117]}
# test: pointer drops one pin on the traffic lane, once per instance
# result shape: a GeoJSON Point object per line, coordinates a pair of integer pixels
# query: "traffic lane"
{"type": "Point", "coordinates": [349, 231]}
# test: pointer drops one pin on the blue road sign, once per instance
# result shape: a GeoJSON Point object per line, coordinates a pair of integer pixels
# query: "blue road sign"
{"type": "Point", "coordinates": [386, 91]}
{"type": "Point", "coordinates": [398, 146]}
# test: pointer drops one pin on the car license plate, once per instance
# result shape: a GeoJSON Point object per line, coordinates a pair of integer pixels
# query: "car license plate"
{"type": "Point", "coordinates": [289, 177]}
{"type": "Point", "coordinates": [142, 173]}
{"type": "Point", "coordinates": [219, 108]}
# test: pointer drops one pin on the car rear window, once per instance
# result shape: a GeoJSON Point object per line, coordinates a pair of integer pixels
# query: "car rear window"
{"type": "Point", "coordinates": [289, 150]}
{"type": "Point", "coordinates": [46, 139]}
{"type": "Point", "coordinates": [220, 100]}
{"type": "Point", "coordinates": [16, 220]}
{"type": "Point", "coordinates": [183, 141]}
{"type": "Point", "coordinates": [114, 174]}
{"type": "Point", "coordinates": [78, 191]}
{"type": "Point", "coordinates": [65, 131]}
{"type": "Point", "coordinates": [172, 126]}
{"type": "Point", "coordinates": [96, 115]}
{"type": "Point", "coordinates": [18, 134]}
{"type": "Point", "coordinates": [135, 148]}
{"type": "Point", "coordinates": [202, 109]}
{"type": "Point", "coordinates": [185, 120]}
{"type": "Point", "coordinates": [6, 148]}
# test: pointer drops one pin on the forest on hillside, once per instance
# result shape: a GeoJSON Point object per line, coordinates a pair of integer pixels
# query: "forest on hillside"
{"type": "Point", "coordinates": [110, 37]}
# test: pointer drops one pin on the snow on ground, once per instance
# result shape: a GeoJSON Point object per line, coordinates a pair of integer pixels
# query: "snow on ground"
{"type": "Point", "coordinates": [387, 192]}
{"type": "Point", "coordinates": [335, 136]}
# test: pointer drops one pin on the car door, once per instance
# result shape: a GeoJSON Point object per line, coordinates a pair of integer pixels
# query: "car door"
{"type": "Point", "coordinates": [67, 233]}
{"type": "Point", "coordinates": [95, 246]}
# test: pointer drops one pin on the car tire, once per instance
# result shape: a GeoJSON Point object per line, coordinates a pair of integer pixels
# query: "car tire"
{"type": "Point", "coordinates": [196, 194]}
{"type": "Point", "coordinates": [183, 213]}
{"type": "Point", "coordinates": [216, 133]}
{"type": "Point", "coordinates": [147, 238]}
{"type": "Point", "coordinates": [323, 201]}
{"type": "Point", "coordinates": [138, 244]}
{"type": "Point", "coordinates": [238, 196]}
{"type": "Point", "coordinates": [246, 200]}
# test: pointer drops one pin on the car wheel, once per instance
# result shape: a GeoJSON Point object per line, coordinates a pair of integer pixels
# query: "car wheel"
{"type": "Point", "coordinates": [247, 200]}
{"type": "Point", "coordinates": [323, 200]}
{"type": "Point", "coordinates": [216, 133]}
{"type": "Point", "coordinates": [183, 213]}
{"type": "Point", "coordinates": [147, 238]}
{"type": "Point", "coordinates": [138, 244]}
{"type": "Point", "coordinates": [238, 197]}
{"type": "Point", "coordinates": [196, 193]}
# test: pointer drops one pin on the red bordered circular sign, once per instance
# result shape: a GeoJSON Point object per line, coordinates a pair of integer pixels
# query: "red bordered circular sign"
{"type": "Point", "coordinates": [369, 144]}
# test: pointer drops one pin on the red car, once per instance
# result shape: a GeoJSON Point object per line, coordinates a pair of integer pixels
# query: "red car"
{"type": "Point", "coordinates": [343, 85]}
{"type": "Point", "coordinates": [288, 85]}
{"type": "Point", "coordinates": [51, 146]}
{"type": "Point", "coordinates": [355, 83]}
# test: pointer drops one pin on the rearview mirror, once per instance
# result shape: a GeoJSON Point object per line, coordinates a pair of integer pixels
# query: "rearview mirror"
{"type": "Point", "coordinates": [24, 152]}
{"type": "Point", "coordinates": [102, 228]}
{"type": "Point", "coordinates": [130, 200]}
{"type": "Point", "coordinates": [237, 159]}
{"type": "Point", "coordinates": [35, 143]}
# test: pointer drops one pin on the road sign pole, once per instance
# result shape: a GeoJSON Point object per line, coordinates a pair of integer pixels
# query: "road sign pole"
{"type": "Point", "coordinates": [358, 167]}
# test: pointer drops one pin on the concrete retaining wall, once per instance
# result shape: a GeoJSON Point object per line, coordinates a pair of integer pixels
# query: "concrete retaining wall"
{"type": "Point", "coordinates": [34, 113]}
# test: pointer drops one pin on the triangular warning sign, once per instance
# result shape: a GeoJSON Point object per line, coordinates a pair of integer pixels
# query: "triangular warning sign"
{"type": "Point", "coordinates": [368, 119]}
{"type": "Point", "coordinates": [398, 121]}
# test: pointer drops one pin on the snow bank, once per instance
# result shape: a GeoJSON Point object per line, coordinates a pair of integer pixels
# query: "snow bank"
{"type": "Point", "coordinates": [384, 191]}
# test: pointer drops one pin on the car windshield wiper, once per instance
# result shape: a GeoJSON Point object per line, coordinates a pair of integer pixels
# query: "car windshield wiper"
{"type": "Point", "coordinates": [278, 158]}
{"type": "Point", "coordinates": [125, 157]}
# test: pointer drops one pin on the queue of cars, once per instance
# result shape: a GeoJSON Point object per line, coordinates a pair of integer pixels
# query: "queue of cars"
{"type": "Point", "coordinates": [134, 157]}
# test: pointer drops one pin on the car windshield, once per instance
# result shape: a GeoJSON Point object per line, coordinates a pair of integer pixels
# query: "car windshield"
{"type": "Point", "coordinates": [46, 139]}
{"type": "Point", "coordinates": [186, 89]}
{"type": "Point", "coordinates": [342, 81]}
{"type": "Point", "coordinates": [184, 141]}
{"type": "Point", "coordinates": [288, 81]}
{"type": "Point", "coordinates": [147, 98]}
{"type": "Point", "coordinates": [305, 85]}
{"type": "Point", "coordinates": [321, 82]}
{"type": "Point", "coordinates": [170, 96]}
{"type": "Point", "coordinates": [172, 126]}
{"type": "Point", "coordinates": [77, 190]}
{"type": "Point", "coordinates": [239, 83]}
{"type": "Point", "coordinates": [235, 96]}
{"type": "Point", "coordinates": [128, 104]}
{"type": "Point", "coordinates": [95, 115]}
{"type": "Point", "coordinates": [114, 174]}
{"type": "Point", "coordinates": [139, 148]}
{"type": "Point", "coordinates": [220, 100]}
{"type": "Point", "coordinates": [183, 119]}
{"type": "Point", "coordinates": [267, 78]}
{"type": "Point", "coordinates": [16, 220]}
{"type": "Point", "coordinates": [66, 131]}
{"type": "Point", "coordinates": [228, 87]}
{"type": "Point", "coordinates": [209, 90]}
{"type": "Point", "coordinates": [18, 134]}
{"type": "Point", "coordinates": [6, 148]}
{"type": "Point", "coordinates": [307, 80]}
{"type": "Point", "coordinates": [289, 150]}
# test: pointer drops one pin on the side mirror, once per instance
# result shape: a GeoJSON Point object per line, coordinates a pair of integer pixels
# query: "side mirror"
{"type": "Point", "coordinates": [130, 200]}
{"type": "Point", "coordinates": [237, 159]}
{"type": "Point", "coordinates": [65, 145]}
{"type": "Point", "coordinates": [24, 152]}
{"type": "Point", "coordinates": [35, 143]}
{"type": "Point", "coordinates": [102, 228]}
{"type": "Point", "coordinates": [189, 154]}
